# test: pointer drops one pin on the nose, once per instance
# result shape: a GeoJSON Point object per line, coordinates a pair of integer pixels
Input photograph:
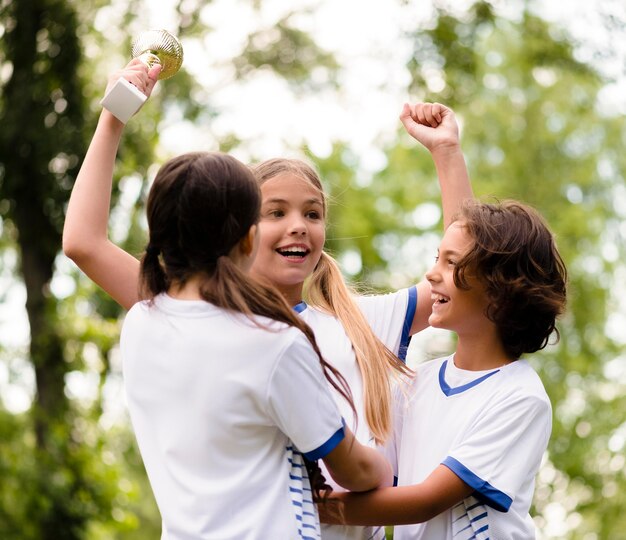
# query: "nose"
{"type": "Point", "coordinates": [432, 275]}
{"type": "Point", "coordinates": [297, 226]}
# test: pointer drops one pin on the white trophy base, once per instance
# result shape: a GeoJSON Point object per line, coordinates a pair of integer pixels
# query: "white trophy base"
{"type": "Point", "coordinates": [123, 100]}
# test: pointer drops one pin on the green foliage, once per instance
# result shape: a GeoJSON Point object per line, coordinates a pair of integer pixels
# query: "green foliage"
{"type": "Point", "coordinates": [533, 129]}
{"type": "Point", "coordinates": [287, 51]}
{"type": "Point", "coordinates": [69, 475]}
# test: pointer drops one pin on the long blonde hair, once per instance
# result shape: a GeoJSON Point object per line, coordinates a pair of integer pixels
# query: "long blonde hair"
{"type": "Point", "coordinates": [327, 290]}
{"type": "Point", "coordinates": [201, 205]}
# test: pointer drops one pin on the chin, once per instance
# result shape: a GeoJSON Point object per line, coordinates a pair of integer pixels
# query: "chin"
{"type": "Point", "coordinates": [434, 322]}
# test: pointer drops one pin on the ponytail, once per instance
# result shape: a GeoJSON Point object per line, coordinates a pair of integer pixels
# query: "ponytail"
{"type": "Point", "coordinates": [228, 287]}
{"type": "Point", "coordinates": [327, 290]}
{"type": "Point", "coordinates": [152, 278]}
{"type": "Point", "coordinates": [201, 206]}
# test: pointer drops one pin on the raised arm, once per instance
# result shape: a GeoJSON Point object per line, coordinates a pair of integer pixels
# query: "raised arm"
{"type": "Point", "coordinates": [85, 233]}
{"type": "Point", "coordinates": [435, 127]}
{"type": "Point", "coordinates": [357, 467]}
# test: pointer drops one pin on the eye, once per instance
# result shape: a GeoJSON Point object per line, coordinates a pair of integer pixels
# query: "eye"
{"type": "Point", "coordinates": [275, 213]}
{"type": "Point", "coordinates": [451, 262]}
{"type": "Point", "coordinates": [313, 214]}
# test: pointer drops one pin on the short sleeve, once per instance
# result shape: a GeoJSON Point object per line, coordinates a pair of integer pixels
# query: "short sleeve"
{"type": "Point", "coordinates": [503, 449]}
{"type": "Point", "coordinates": [390, 316]}
{"type": "Point", "coordinates": [300, 402]}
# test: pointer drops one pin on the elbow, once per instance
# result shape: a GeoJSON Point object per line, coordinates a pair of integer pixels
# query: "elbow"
{"type": "Point", "coordinates": [369, 472]}
{"type": "Point", "coordinates": [71, 249]}
{"type": "Point", "coordinates": [76, 250]}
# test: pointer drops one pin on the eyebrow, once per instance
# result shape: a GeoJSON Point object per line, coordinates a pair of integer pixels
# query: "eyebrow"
{"type": "Point", "coordinates": [284, 201]}
{"type": "Point", "coordinates": [449, 252]}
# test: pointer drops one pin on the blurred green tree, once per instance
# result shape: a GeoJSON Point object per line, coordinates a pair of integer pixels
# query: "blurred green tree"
{"type": "Point", "coordinates": [534, 128]}
{"type": "Point", "coordinates": [65, 474]}
{"type": "Point", "coordinates": [41, 142]}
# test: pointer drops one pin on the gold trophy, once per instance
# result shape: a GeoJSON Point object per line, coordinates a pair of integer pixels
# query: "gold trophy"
{"type": "Point", "coordinates": [151, 47]}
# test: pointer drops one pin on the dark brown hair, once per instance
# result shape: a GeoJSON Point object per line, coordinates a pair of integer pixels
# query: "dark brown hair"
{"type": "Point", "coordinates": [515, 257]}
{"type": "Point", "coordinates": [200, 206]}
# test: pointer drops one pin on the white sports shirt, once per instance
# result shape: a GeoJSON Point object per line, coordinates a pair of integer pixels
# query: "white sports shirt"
{"type": "Point", "coordinates": [390, 317]}
{"type": "Point", "coordinates": [214, 400]}
{"type": "Point", "coordinates": [491, 429]}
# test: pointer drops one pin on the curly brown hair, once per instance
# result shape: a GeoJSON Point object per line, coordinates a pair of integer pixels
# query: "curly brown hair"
{"type": "Point", "coordinates": [515, 257]}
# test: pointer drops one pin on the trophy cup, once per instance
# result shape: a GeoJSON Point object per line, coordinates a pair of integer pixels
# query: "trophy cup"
{"type": "Point", "coordinates": [151, 47]}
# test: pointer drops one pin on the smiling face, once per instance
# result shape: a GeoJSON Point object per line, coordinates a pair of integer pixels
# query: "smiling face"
{"type": "Point", "coordinates": [456, 309]}
{"type": "Point", "coordinates": [292, 233]}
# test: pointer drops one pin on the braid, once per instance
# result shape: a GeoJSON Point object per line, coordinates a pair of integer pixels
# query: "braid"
{"type": "Point", "coordinates": [201, 206]}
{"type": "Point", "coordinates": [153, 279]}
{"type": "Point", "coordinates": [230, 288]}
{"type": "Point", "coordinates": [320, 488]}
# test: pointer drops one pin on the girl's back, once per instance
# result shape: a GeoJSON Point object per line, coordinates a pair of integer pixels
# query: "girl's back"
{"type": "Point", "coordinates": [210, 397]}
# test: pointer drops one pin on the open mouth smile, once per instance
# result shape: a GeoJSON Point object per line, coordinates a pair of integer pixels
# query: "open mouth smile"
{"type": "Point", "coordinates": [439, 299]}
{"type": "Point", "coordinates": [293, 252]}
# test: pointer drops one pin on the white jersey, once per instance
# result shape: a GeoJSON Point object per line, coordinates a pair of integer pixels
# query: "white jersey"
{"type": "Point", "coordinates": [214, 401]}
{"type": "Point", "coordinates": [390, 317]}
{"type": "Point", "coordinates": [491, 429]}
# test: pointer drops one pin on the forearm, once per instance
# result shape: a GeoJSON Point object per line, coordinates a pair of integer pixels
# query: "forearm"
{"type": "Point", "coordinates": [85, 234]}
{"type": "Point", "coordinates": [357, 467]}
{"type": "Point", "coordinates": [387, 506]}
{"type": "Point", "coordinates": [435, 127]}
{"type": "Point", "coordinates": [405, 504]}
{"type": "Point", "coordinates": [454, 180]}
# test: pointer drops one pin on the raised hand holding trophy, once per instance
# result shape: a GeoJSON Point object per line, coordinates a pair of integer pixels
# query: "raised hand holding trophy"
{"type": "Point", "coordinates": [151, 47]}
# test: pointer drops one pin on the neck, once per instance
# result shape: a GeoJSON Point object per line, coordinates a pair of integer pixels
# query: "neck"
{"type": "Point", "coordinates": [190, 290]}
{"type": "Point", "coordinates": [292, 296]}
{"type": "Point", "coordinates": [291, 293]}
{"type": "Point", "coordinates": [480, 352]}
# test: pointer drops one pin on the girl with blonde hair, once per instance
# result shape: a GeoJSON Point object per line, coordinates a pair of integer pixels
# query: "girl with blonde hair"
{"type": "Point", "coordinates": [218, 370]}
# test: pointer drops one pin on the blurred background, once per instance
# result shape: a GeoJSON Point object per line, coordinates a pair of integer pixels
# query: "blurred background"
{"type": "Point", "coordinates": [539, 89]}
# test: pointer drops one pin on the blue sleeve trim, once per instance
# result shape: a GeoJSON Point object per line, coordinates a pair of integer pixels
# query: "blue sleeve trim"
{"type": "Point", "coordinates": [323, 450]}
{"type": "Point", "coordinates": [484, 491]}
{"type": "Point", "coordinates": [408, 322]}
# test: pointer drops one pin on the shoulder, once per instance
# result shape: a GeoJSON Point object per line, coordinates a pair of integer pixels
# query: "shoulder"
{"type": "Point", "coordinates": [397, 298]}
{"type": "Point", "coordinates": [320, 320]}
{"type": "Point", "coordinates": [521, 389]}
{"type": "Point", "coordinates": [314, 312]}
{"type": "Point", "coordinates": [143, 309]}
{"type": "Point", "coordinates": [520, 376]}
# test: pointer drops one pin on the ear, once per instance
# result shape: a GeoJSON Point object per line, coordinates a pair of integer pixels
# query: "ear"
{"type": "Point", "coordinates": [246, 244]}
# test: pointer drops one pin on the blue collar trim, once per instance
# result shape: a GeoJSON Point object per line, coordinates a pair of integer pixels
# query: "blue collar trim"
{"type": "Point", "coordinates": [299, 308]}
{"type": "Point", "coordinates": [449, 391]}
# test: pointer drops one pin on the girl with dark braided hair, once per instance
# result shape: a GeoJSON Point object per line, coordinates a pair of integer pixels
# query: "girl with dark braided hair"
{"type": "Point", "coordinates": [220, 373]}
